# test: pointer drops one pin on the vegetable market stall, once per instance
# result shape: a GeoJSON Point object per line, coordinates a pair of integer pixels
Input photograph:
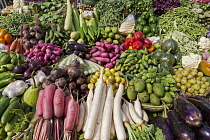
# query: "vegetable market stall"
{"type": "Point", "coordinates": [101, 70]}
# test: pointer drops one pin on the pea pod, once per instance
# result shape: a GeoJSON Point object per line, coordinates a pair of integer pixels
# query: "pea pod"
{"type": "Point", "coordinates": [137, 66]}
{"type": "Point", "coordinates": [132, 67]}
{"type": "Point", "coordinates": [122, 60]}
{"type": "Point", "coordinates": [145, 64]}
{"type": "Point", "coordinates": [132, 55]}
{"type": "Point", "coordinates": [128, 60]}
{"type": "Point", "coordinates": [142, 67]}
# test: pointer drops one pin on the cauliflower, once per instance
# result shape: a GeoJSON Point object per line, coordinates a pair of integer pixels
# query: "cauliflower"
{"type": "Point", "coordinates": [192, 61]}
{"type": "Point", "coordinates": [204, 44]}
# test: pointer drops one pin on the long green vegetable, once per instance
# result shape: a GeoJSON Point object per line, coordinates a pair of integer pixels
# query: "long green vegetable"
{"type": "Point", "coordinates": [68, 21]}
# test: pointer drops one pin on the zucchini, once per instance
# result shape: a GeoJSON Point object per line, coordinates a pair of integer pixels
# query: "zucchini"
{"type": "Point", "coordinates": [4, 103]}
{"type": "Point", "coordinates": [75, 19]}
{"type": "Point", "coordinates": [8, 115]}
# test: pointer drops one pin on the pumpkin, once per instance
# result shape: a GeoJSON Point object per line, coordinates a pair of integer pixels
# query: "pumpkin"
{"type": "Point", "coordinates": [157, 54]}
{"type": "Point", "coordinates": [167, 58]}
{"type": "Point", "coordinates": [170, 46]}
{"type": "Point", "coordinates": [204, 67]}
{"type": "Point", "coordinates": [165, 67]}
{"type": "Point", "coordinates": [178, 57]}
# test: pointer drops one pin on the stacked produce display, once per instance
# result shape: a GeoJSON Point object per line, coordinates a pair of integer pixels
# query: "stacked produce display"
{"type": "Point", "coordinates": [105, 70]}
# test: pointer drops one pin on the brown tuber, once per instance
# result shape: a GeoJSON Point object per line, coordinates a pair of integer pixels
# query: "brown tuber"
{"type": "Point", "coordinates": [61, 82]}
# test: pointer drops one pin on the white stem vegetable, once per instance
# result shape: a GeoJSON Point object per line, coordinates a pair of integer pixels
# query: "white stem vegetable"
{"type": "Point", "coordinates": [112, 129]}
{"type": "Point", "coordinates": [97, 133]}
{"type": "Point", "coordinates": [133, 114]}
{"type": "Point", "coordinates": [107, 115]}
{"type": "Point", "coordinates": [137, 106]}
{"type": "Point", "coordinates": [91, 123]}
{"type": "Point", "coordinates": [124, 117]}
{"type": "Point", "coordinates": [89, 102]}
{"type": "Point", "coordinates": [127, 113]}
{"type": "Point", "coordinates": [145, 116]}
{"type": "Point", "coordinates": [118, 123]}
{"type": "Point", "coordinates": [81, 116]}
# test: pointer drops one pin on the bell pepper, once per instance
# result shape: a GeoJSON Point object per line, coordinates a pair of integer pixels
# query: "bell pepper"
{"type": "Point", "coordinates": [2, 33]}
{"type": "Point", "coordinates": [137, 45]}
{"type": "Point", "coordinates": [147, 42]}
{"type": "Point", "coordinates": [138, 35]}
{"type": "Point", "coordinates": [151, 48]}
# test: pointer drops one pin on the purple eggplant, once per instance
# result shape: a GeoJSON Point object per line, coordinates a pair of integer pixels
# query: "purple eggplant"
{"type": "Point", "coordinates": [80, 48]}
{"type": "Point", "coordinates": [69, 52]}
{"type": "Point", "coordinates": [203, 132]}
{"type": "Point", "coordinates": [201, 98]}
{"type": "Point", "coordinates": [204, 107]}
{"type": "Point", "coordinates": [180, 129]}
{"type": "Point", "coordinates": [19, 69]}
{"type": "Point", "coordinates": [166, 129]}
{"type": "Point", "coordinates": [28, 72]}
{"type": "Point", "coordinates": [188, 112]}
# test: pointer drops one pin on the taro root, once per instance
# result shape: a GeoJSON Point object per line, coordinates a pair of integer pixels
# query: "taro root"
{"type": "Point", "coordinates": [37, 28]}
{"type": "Point", "coordinates": [61, 82]}
{"type": "Point", "coordinates": [40, 41]}
{"type": "Point", "coordinates": [84, 87]}
{"type": "Point", "coordinates": [38, 36]}
{"type": "Point", "coordinates": [33, 41]}
{"type": "Point", "coordinates": [25, 27]}
{"type": "Point", "coordinates": [81, 72]}
{"type": "Point", "coordinates": [33, 34]}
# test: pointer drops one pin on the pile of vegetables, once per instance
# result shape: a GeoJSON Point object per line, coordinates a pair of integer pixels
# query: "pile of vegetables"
{"type": "Point", "coordinates": [72, 78]}
{"type": "Point", "coordinates": [12, 22]}
{"type": "Point", "coordinates": [188, 121]}
{"type": "Point", "coordinates": [106, 54]}
{"type": "Point", "coordinates": [44, 53]}
{"type": "Point", "coordinates": [112, 35]}
{"type": "Point", "coordinates": [147, 23]}
{"type": "Point", "coordinates": [191, 81]}
{"type": "Point", "coordinates": [31, 35]}
{"type": "Point", "coordinates": [5, 38]}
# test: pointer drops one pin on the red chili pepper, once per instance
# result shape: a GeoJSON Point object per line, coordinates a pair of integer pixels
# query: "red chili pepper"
{"type": "Point", "coordinates": [137, 45]}
{"type": "Point", "coordinates": [147, 42]}
{"type": "Point", "coordinates": [138, 35]}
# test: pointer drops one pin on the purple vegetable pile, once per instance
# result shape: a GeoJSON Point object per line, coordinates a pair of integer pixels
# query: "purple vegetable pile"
{"type": "Point", "coordinates": [45, 53]}
{"type": "Point", "coordinates": [190, 120]}
{"type": "Point", "coordinates": [105, 54]}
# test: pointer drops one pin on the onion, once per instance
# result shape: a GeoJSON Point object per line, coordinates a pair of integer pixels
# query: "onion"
{"type": "Point", "coordinates": [32, 34]}
{"type": "Point", "coordinates": [72, 85]}
{"type": "Point", "coordinates": [25, 27]}
{"type": "Point", "coordinates": [37, 28]}
{"type": "Point", "coordinates": [40, 41]}
{"type": "Point", "coordinates": [38, 36]}
{"type": "Point", "coordinates": [33, 41]}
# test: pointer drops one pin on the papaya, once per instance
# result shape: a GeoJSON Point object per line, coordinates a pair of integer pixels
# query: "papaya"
{"type": "Point", "coordinates": [204, 67]}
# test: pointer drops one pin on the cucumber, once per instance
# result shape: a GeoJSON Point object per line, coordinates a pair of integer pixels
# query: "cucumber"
{"type": "Point", "coordinates": [13, 99]}
{"type": "Point", "coordinates": [3, 134]}
{"type": "Point", "coordinates": [8, 115]}
{"type": "Point", "coordinates": [10, 125]}
{"type": "Point", "coordinates": [4, 103]}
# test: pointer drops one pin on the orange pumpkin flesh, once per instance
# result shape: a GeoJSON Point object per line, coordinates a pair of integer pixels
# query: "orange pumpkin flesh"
{"type": "Point", "coordinates": [204, 66]}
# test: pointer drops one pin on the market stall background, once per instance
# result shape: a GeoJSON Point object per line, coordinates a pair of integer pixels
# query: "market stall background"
{"type": "Point", "coordinates": [95, 69]}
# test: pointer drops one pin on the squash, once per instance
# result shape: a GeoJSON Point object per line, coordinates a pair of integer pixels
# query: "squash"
{"type": "Point", "coordinates": [171, 45]}
{"type": "Point", "coordinates": [204, 67]}
{"type": "Point", "coordinates": [157, 54]}
{"type": "Point", "coordinates": [178, 57]}
{"type": "Point", "coordinates": [165, 67]}
{"type": "Point", "coordinates": [167, 58]}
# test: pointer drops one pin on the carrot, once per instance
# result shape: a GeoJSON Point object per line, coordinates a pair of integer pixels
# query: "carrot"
{"type": "Point", "coordinates": [13, 45]}
{"type": "Point", "coordinates": [17, 49]}
{"type": "Point", "coordinates": [39, 104]}
{"type": "Point", "coordinates": [25, 49]}
{"type": "Point", "coordinates": [127, 113]}
{"type": "Point", "coordinates": [107, 115]}
{"type": "Point", "coordinates": [145, 116]}
{"type": "Point", "coordinates": [67, 99]}
{"type": "Point", "coordinates": [133, 114]}
{"type": "Point", "coordinates": [21, 47]}
{"type": "Point", "coordinates": [137, 106]}
{"type": "Point", "coordinates": [70, 116]}
{"type": "Point", "coordinates": [91, 124]}
{"type": "Point", "coordinates": [118, 123]}
{"type": "Point", "coordinates": [58, 103]}
{"type": "Point", "coordinates": [48, 101]}
{"type": "Point", "coordinates": [89, 102]}
{"type": "Point", "coordinates": [81, 117]}
{"type": "Point", "coordinates": [100, 115]}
